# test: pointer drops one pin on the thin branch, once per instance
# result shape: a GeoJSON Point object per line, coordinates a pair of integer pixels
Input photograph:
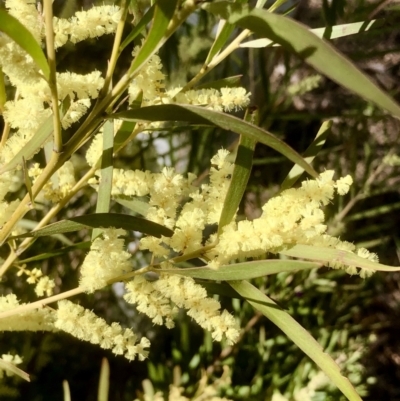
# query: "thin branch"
{"type": "Point", "coordinates": [51, 58]}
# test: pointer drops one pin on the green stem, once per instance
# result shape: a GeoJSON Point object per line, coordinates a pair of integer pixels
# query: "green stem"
{"type": "Point", "coordinates": [51, 58]}
{"type": "Point", "coordinates": [114, 53]}
{"type": "Point", "coordinates": [217, 59]}
{"type": "Point", "coordinates": [40, 304]}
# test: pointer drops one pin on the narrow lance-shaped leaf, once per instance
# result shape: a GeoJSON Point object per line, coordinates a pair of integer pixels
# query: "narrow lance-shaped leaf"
{"type": "Point", "coordinates": [326, 255]}
{"type": "Point", "coordinates": [201, 115]}
{"type": "Point", "coordinates": [57, 252]}
{"type": "Point", "coordinates": [104, 382]}
{"type": "Point", "coordinates": [139, 27]}
{"type": "Point", "coordinates": [229, 82]}
{"type": "Point", "coordinates": [297, 334]}
{"type": "Point", "coordinates": [101, 220]}
{"type": "Point", "coordinates": [240, 175]}
{"type": "Point", "coordinates": [106, 172]}
{"type": "Point", "coordinates": [317, 52]}
{"type": "Point", "coordinates": [244, 271]}
{"type": "Point", "coordinates": [309, 155]}
{"type": "Point", "coordinates": [19, 34]}
{"type": "Point", "coordinates": [136, 205]}
{"type": "Point", "coordinates": [163, 14]}
{"type": "Point", "coordinates": [337, 31]}
{"type": "Point", "coordinates": [220, 40]}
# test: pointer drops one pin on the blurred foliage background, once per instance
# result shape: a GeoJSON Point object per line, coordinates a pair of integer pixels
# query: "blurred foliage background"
{"type": "Point", "coordinates": [356, 320]}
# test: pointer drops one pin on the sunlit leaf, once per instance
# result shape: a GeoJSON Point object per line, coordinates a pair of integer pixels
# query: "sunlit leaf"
{"type": "Point", "coordinates": [163, 14]}
{"type": "Point", "coordinates": [309, 155]}
{"type": "Point", "coordinates": [201, 115]}
{"type": "Point", "coordinates": [333, 32]}
{"type": "Point", "coordinates": [106, 172]}
{"type": "Point", "coordinates": [58, 252]}
{"type": "Point", "coordinates": [230, 82]}
{"type": "Point", "coordinates": [246, 270]}
{"type": "Point", "coordinates": [317, 52]}
{"type": "Point", "coordinates": [136, 205]}
{"type": "Point", "coordinates": [297, 334]}
{"type": "Point", "coordinates": [20, 35]}
{"type": "Point", "coordinates": [240, 176]}
{"type": "Point", "coordinates": [220, 40]}
{"type": "Point", "coordinates": [101, 220]}
{"type": "Point", "coordinates": [139, 27]}
{"type": "Point", "coordinates": [325, 255]}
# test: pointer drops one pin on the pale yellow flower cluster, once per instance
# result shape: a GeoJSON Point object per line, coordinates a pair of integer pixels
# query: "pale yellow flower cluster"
{"type": "Point", "coordinates": [36, 320]}
{"type": "Point", "coordinates": [107, 259]}
{"type": "Point", "coordinates": [93, 23]}
{"type": "Point", "coordinates": [224, 99]}
{"type": "Point", "coordinates": [85, 325]}
{"type": "Point", "coordinates": [304, 85]}
{"type": "Point", "coordinates": [26, 12]}
{"type": "Point", "coordinates": [152, 298]}
{"type": "Point", "coordinates": [293, 217]}
{"type": "Point", "coordinates": [149, 81]}
{"type": "Point", "coordinates": [29, 112]}
{"type": "Point", "coordinates": [60, 184]}
{"type": "Point", "coordinates": [204, 208]}
{"type": "Point", "coordinates": [13, 359]}
{"type": "Point", "coordinates": [44, 285]}
{"type": "Point", "coordinates": [75, 112]}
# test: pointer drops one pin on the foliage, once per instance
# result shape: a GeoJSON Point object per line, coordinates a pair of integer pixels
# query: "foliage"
{"type": "Point", "coordinates": [118, 167]}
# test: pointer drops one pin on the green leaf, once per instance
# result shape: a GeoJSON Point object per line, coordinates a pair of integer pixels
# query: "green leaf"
{"type": "Point", "coordinates": [36, 142]}
{"type": "Point", "coordinates": [297, 334]}
{"type": "Point", "coordinates": [20, 35]}
{"type": "Point", "coordinates": [98, 220]}
{"type": "Point", "coordinates": [309, 155]}
{"type": "Point", "coordinates": [240, 177]}
{"type": "Point", "coordinates": [334, 32]}
{"type": "Point", "coordinates": [123, 134]}
{"type": "Point", "coordinates": [104, 382]}
{"type": "Point", "coordinates": [296, 38]}
{"type": "Point", "coordinates": [136, 205]}
{"type": "Point", "coordinates": [220, 41]}
{"type": "Point", "coordinates": [141, 25]}
{"type": "Point", "coordinates": [325, 255]}
{"type": "Point", "coordinates": [244, 271]}
{"type": "Point", "coordinates": [106, 173]}
{"type": "Point", "coordinates": [57, 252]}
{"type": "Point", "coordinates": [163, 14]}
{"type": "Point", "coordinates": [201, 115]}
{"type": "Point", "coordinates": [230, 82]}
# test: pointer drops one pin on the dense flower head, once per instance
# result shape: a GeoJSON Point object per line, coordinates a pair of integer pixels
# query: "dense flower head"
{"type": "Point", "coordinates": [92, 23]}
{"type": "Point", "coordinates": [106, 260]}
{"type": "Point", "coordinates": [58, 187]}
{"type": "Point", "coordinates": [85, 325]}
{"type": "Point", "coordinates": [34, 320]}
{"type": "Point", "coordinates": [155, 298]}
